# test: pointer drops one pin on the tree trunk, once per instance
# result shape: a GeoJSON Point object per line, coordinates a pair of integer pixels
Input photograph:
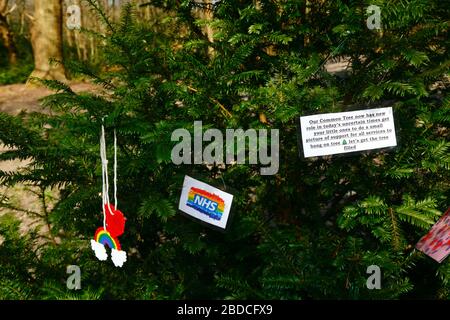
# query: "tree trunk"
{"type": "Point", "coordinates": [206, 14]}
{"type": "Point", "coordinates": [46, 39]}
{"type": "Point", "coordinates": [6, 34]}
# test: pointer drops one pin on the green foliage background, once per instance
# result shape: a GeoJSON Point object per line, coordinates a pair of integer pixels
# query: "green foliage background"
{"type": "Point", "coordinates": [308, 232]}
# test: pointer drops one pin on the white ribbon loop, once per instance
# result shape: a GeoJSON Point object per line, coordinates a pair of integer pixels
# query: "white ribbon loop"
{"type": "Point", "coordinates": [105, 181]}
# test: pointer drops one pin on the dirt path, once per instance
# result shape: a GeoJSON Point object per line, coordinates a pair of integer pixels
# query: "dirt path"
{"type": "Point", "coordinates": [17, 97]}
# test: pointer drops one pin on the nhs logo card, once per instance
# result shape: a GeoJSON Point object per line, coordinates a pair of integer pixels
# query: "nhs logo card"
{"type": "Point", "coordinates": [205, 202]}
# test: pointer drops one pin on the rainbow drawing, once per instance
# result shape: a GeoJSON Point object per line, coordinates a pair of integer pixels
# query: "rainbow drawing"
{"type": "Point", "coordinates": [102, 236]}
{"type": "Point", "coordinates": [205, 202]}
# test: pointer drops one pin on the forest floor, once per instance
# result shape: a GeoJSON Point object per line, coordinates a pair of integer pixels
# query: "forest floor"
{"type": "Point", "coordinates": [17, 97]}
{"type": "Point", "coordinates": [25, 199]}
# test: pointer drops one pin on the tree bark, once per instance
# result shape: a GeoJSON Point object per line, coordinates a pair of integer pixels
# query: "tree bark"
{"type": "Point", "coordinates": [6, 33]}
{"type": "Point", "coordinates": [46, 40]}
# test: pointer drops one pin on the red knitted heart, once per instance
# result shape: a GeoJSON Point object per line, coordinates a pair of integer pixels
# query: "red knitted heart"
{"type": "Point", "coordinates": [115, 220]}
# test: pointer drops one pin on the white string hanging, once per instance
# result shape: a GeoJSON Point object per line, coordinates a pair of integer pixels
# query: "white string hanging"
{"type": "Point", "coordinates": [105, 180]}
{"type": "Point", "coordinates": [115, 169]}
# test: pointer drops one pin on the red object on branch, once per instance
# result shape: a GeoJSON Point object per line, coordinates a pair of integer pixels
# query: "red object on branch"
{"type": "Point", "coordinates": [115, 220]}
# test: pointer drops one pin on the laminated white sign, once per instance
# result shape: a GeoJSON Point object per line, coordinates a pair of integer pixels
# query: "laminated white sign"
{"type": "Point", "coordinates": [206, 203]}
{"type": "Point", "coordinates": [343, 132]}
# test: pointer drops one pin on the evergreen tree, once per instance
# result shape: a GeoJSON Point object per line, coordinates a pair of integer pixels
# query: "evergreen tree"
{"type": "Point", "coordinates": [308, 232]}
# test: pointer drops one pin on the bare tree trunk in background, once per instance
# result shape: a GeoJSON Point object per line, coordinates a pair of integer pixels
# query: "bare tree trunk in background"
{"type": "Point", "coordinates": [46, 39]}
{"type": "Point", "coordinates": [80, 39]}
{"type": "Point", "coordinates": [208, 15]}
{"type": "Point", "coordinates": [147, 13]}
{"type": "Point", "coordinates": [6, 33]}
{"type": "Point", "coordinates": [68, 34]}
{"type": "Point", "coordinates": [22, 9]}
